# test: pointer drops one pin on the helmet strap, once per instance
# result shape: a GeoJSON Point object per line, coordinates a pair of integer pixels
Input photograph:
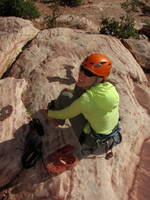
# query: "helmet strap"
{"type": "Point", "coordinates": [99, 79]}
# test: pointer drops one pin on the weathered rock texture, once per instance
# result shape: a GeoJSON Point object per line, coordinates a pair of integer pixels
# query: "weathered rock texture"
{"type": "Point", "coordinates": [140, 49]}
{"type": "Point", "coordinates": [142, 178]}
{"type": "Point", "coordinates": [13, 118]}
{"type": "Point", "coordinates": [49, 64]}
{"type": "Point", "coordinates": [14, 34]}
{"type": "Point", "coordinates": [146, 30]}
{"type": "Point", "coordinates": [78, 22]}
{"type": "Point", "coordinates": [146, 10]}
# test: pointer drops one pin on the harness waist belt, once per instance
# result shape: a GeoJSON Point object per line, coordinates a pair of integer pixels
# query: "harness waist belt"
{"type": "Point", "coordinates": [102, 136]}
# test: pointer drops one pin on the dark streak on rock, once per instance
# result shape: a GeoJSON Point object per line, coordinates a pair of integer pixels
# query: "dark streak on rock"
{"type": "Point", "coordinates": [5, 112]}
{"type": "Point", "coordinates": [95, 170]}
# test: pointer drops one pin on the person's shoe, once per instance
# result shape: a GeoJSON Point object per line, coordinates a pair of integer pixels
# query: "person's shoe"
{"type": "Point", "coordinates": [61, 160]}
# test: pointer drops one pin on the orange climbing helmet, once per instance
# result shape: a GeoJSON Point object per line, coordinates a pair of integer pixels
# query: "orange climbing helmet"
{"type": "Point", "coordinates": [98, 64]}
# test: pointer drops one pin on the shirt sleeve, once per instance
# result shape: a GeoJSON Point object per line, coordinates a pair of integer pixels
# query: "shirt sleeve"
{"type": "Point", "coordinates": [69, 112]}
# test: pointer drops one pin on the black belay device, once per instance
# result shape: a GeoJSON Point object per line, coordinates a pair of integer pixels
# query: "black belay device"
{"type": "Point", "coordinates": [33, 144]}
{"type": "Point", "coordinates": [32, 151]}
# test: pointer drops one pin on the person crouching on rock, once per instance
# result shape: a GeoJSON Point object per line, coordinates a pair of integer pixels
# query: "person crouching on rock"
{"type": "Point", "coordinates": [96, 102]}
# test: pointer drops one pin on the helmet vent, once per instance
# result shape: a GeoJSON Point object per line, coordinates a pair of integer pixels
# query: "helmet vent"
{"type": "Point", "coordinates": [99, 64]}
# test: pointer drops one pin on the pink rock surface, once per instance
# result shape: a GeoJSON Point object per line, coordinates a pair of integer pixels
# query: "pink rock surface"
{"type": "Point", "coordinates": [13, 118]}
{"type": "Point", "coordinates": [49, 64]}
{"type": "Point", "coordinates": [140, 49]}
{"type": "Point", "coordinates": [140, 188]}
{"type": "Point", "coordinates": [14, 34]}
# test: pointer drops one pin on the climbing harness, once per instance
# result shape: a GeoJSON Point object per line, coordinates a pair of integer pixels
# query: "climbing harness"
{"type": "Point", "coordinates": [107, 140]}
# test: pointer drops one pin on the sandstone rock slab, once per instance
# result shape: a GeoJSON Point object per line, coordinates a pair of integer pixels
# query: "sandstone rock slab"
{"type": "Point", "coordinates": [51, 63]}
{"type": "Point", "coordinates": [140, 49]}
{"type": "Point", "coordinates": [78, 22]}
{"type": "Point", "coordinates": [13, 120]}
{"type": "Point", "coordinates": [14, 34]}
{"type": "Point", "coordinates": [146, 30]}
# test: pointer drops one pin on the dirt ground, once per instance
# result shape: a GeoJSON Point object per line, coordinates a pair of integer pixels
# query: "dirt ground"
{"type": "Point", "coordinates": [93, 10]}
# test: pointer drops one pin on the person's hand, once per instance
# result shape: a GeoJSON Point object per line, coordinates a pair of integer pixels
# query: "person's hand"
{"type": "Point", "coordinates": [54, 122]}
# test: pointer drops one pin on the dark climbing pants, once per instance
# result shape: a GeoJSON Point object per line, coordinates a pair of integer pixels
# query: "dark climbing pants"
{"type": "Point", "coordinates": [98, 146]}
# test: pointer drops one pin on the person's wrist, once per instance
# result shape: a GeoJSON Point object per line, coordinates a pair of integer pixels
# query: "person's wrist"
{"type": "Point", "coordinates": [51, 105]}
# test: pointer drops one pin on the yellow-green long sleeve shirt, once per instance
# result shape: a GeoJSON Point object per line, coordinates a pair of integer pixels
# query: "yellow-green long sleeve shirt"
{"type": "Point", "coordinates": [99, 105]}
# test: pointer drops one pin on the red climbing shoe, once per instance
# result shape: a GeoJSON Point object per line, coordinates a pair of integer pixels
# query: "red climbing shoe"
{"type": "Point", "coordinates": [61, 160]}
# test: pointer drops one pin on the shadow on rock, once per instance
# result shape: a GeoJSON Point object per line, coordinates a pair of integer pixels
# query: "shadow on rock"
{"type": "Point", "coordinates": [67, 81]}
{"type": "Point", "coordinates": [31, 147]}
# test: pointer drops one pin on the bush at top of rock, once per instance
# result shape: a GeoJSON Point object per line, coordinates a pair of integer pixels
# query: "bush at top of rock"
{"type": "Point", "coordinates": [131, 5]}
{"type": "Point", "coordinates": [70, 3]}
{"type": "Point", "coordinates": [51, 20]}
{"type": "Point", "coordinates": [121, 29]}
{"type": "Point", "coordinates": [18, 8]}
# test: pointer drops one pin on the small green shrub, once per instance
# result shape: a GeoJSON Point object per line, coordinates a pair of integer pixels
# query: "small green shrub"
{"type": "Point", "coordinates": [70, 3]}
{"type": "Point", "coordinates": [51, 21]}
{"type": "Point", "coordinates": [121, 29]}
{"type": "Point", "coordinates": [18, 8]}
{"type": "Point", "coordinates": [131, 5]}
